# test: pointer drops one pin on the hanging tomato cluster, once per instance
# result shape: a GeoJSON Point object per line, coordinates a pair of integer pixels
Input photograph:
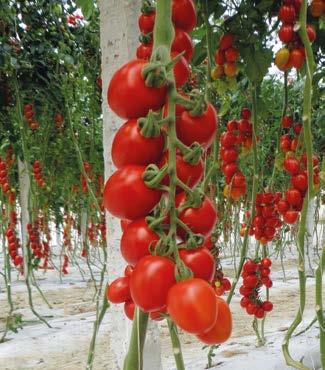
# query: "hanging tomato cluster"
{"type": "Point", "coordinates": [35, 242]}
{"type": "Point", "coordinates": [239, 133]}
{"type": "Point", "coordinates": [291, 204]}
{"type": "Point", "coordinates": [289, 141]}
{"type": "Point", "coordinates": [226, 57]}
{"type": "Point", "coordinates": [293, 54]}
{"type": "Point", "coordinates": [267, 219]}
{"type": "Point", "coordinates": [255, 274]}
{"type": "Point", "coordinates": [37, 170]}
{"type": "Point", "coordinates": [13, 246]}
{"type": "Point", "coordinates": [29, 114]}
{"type": "Point", "coordinates": [4, 180]}
{"type": "Point", "coordinates": [151, 282]}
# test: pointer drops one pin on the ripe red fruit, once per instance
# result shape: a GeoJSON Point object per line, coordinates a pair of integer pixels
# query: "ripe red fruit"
{"type": "Point", "coordinates": [287, 121]}
{"type": "Point", "coordinates": [293, 197]}
{"type": "Point", "coordinates": [290, 217]}
{"type": "Point", "coordinates": [287, 13]}
{"type": "Point", "coordinates": [119, 290]}
{"type": "Point", "coordinates": [259, 313]}
{"type": "Point", "coordinates": [250, 267]}
{"type": "Point", "coordinates": [300, 182]}
{"type": "Point", "coordinates": [250, 281]}
{"type": "Point", "coordinates": [231, 54]}
{"type": "Point", "coordinates": [220, 57]}
{"type": "Point", "coordinates": [291, 165]}
{"type": "Point", "coordinates": [297, 58]}
{"type": "Point", "coordinates": [282, 206]}
{"type": "Point", "coordinates": [266, 262]}
{"type": "Point", "coordinates": [286, 33]}
{"type": "Point", "coordinates": [229, 155]}
{"type": "Point", "coordinates": [297, 128]}
{"type": "Point", "coordinates": [267, 306]}
{"type": "Point", "coordinates": [311, 33]}
{"type": "Point", "coordinates": [226, 41]}
{"type": "Point", "coordinates": [245, 113]}
{"type": "Point", "coordinates": [228, 140]}
{"type": "Point", "coordinates": [244, 302]}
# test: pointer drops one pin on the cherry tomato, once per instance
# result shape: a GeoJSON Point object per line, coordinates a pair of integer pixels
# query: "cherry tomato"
{"type": "Point", "coordinates": [293, 196]}
{"type": "Point", "coordinates": [200, 261]}
{"type": "Point", "coordinates": [184, 14]}
{"type": "Point", "coordinates": [119, 290]}
{"type": "Point", "coordinates": [287, 13]}
{"type": "Point", "coordinates": [131, 147]}
{"type": "Point", "coordinates": [317, 7]}
{"type": "Point", "coordinates": [201, 129]}
{"type": "Point", "coordinates": [129, 309]}
{"type": "Point", "coordinates": [128, 95]}
{"type": "Point", "coordinates": [286, 33]}
{"type": "Point", "coordinates": [222, 329]}
{"type": "Point", "coordinates": [146, 22]}
{"type": "Point", "coordinates": [187, 173]}
{"type": "Point", "coordinates": [282, 206]}
{"type": "Point", "coordinates": [191, 303]}
{"type": "Point", "coordinates": [124, 224]}
{"type": "Point", "coordinates": [300, 182]}
{"type": "Point", "coordinates": [219, 57]}
{"type": "Point", "coordinates": [311, 33]}
{"type": "Point", "coordinates": [152, 278]}
{"type": "Point", "coordinates": [181, 70]}
{"type": "Point", "coordinates": [182, 42]}
{"type": "Point", "coordinates": [286, 121]}
{"type": "Point", "coordinates": [127, 196]}
{"type": "Point", "coordinates": [144, 51]}
{"type": "Point", "coordinates": [291, 165]}
{"type": "Point", "coordinates": [230, 69]}
{"type": "Point", "coordinates": [136, 240]}
{"type": "Point", "coordinates": [231, 55]}
{"type": "Point", "coordinates": [200, 220]}
{"type": "Point", "coordinates": [297, 58]}
{"type": "Point", "coordinates": [290, 217]}
{"type": "Point", "coordinates": [226, 41]}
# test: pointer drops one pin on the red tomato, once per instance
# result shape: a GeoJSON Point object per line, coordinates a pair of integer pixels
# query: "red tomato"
{"type": "Point", "coordinates": [127, 196]}
{"type": "Point", "coordinates": [290, 217]}
{"type": "Point", "coordinates": [229, 170]}
{"type": "Point", "coordinates": [285, 143]}
{"type": "Point", "coordinates": [128, 271]}
{"type": "Point", "coordinates": [232, 125]}
{"type": "Point", "coordinates": [291, 165]}
{"type": "Point", "coordinates": [245, 113]}
{"type": "Point", "coordinates": [226, 41]}
{"type": "Point", "coordinates": [181, 70]}
{"type": "Point", "coordinates": [129, 309]}
{"type": "Point", "coordinates": [183, 42]}
{"type": "Point", "coordinates": [266, 262]}
{"type": "Point", "coordinates": [131, 147]}
{"type": "Point", "coordinates": [200, 220]}
{"type": "Point", "coordinates": [231, 54]}
{"type": "Point", "coordinates": [136, 240]}
{"type": "Point", "coordinates": [200, 261]}
{"type": "Point", "coordinates": [297, 128]}
{"type": "Point", "coordinates": [187, 173]}
{"type": "Point", "coordinates": [287, 13]}
{"type": "Point", "coordinates": [297, 58]}
{"type": "Point", "coordinates": [124, 224]}
{"type": "Point", "coordinates": [152, 278]}
{"type": "Point", "coordinates": [267, 306]}
{"type": "Point", "coordinates": [158, 315]}
{"type": "Point", "coordinates": [191, 303]}
{"type": "Point", "coordinates": [287, 121]}
{"type": "Point", "coordinates": [184, 14]}
{"type": "Point", "coordinates": [144, 51]}
{"type": "Point", "coordinates": [286, 33]}
{"type": "Point", "coordinates": [228, 140]}
{"type": "Point", "coordinates": [119, 290]}
{"type": "Point", "coordinates": [282, 206]}
{"type": "Point", "coordinates": [250, 267]}
{"type": "Point", "coordinates": [146, 22]}
{"type": "Point", "coordinates": [208, 243]}
{"type": "Point", "coordinates": [300, 182]}
{"type": "Point", "coordinates": [220, 57]}
{"type": "Point", "coordinates": [293, 197]}
{"type": "Point", "coordinates": [229, 155]}
{"type": "Point", "coordinates": [128, 95]}
{"type": "Point", "coordinates": [201, 129]}
{"type": "Point", "coordinates": [311, 33]}
{"type": "Point", "coordinates": [222, 329]}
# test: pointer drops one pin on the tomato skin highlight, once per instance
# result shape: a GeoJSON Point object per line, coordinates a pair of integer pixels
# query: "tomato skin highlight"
{"type": "Point", "coordinates": [136, 240]}
{"type": "Point", "coordinates": [128, 95]}
{"type": "Point", "coordinates": [131, 147]}
{"type": "Point", "coordinates": [200, 261]}
{"type": "Point", "coordinates": [127, 196]}
{"type": "Point", "coordinates": [152, 278]}
{"type": "Point", "coordinates": [191, 303]}
{"type": "Point", "coordinates": [222, 329]}
{"type": "Point", "coordinates": [201, 129]}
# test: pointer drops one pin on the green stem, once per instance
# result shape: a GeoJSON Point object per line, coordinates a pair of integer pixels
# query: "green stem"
{"type": "Point", "coordinates": [134, 358]}
{"type": "Point", "coordinates": [177, 350]}
{"type": "Point", "coordinates": [319, 305]}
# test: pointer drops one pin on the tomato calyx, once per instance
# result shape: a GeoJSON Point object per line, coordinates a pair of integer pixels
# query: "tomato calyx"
{"type": "Point", "coordinates": [196, 105]}
{"type": "Point", "coordinates": [153, 175]}
{"type": "Point", "coordinates": [147, 7]}
{"type": "Point", "coordinates": [149, 126]}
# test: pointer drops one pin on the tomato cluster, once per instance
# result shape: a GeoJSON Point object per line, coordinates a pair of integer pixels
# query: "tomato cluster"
{"type": "Point", "coordinates": [29, 114]}
{"type": "Point", "coordinates": [255, 274]}
{"type": "Point", "coordinates": [291, 204]}
{"type": "Point", "coordinates": [226, 57]}
{"type": "Point", "coordinates": [293, 54]}
{"type": "Point", "coordinates": [317, 8]}
{"type": "Point", "coordinates": [35, 241]}
{"type": "Point", "coordinates": [289, 141]}
{"type": "Point", "coordinates": [267, 219]}
{"type": "Point", "coordinates": [138, 150]}
{"type": "Point", "coordinates": [13, 246]}
{"type": "Point", "coordinates": [4, 180]}
{"type": "Point", "coordinates": [37, 170]}
{"type": "Point", "coordinates": [239, 133]}
{"type": "Point", "coordinates": [65, 265]}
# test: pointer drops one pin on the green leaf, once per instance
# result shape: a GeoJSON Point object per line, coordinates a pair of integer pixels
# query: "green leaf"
{"type": "Point", "coordinates": [257, 63]}
{"type": "Point", "coordinates": [87, 7]}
